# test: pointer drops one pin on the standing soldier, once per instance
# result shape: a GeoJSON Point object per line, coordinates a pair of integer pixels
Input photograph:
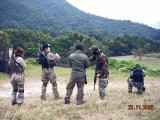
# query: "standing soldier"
{"type": "Point", "coordinates": [17, 66]}
{"type": "Point", "coordinates": [101, 70]}
{"type": "Point", "coordinates": [48, 73]}
{"type": "Point", "coordinates": [136, 79]}
{"type": "Point", "coordinates": [78, 62]}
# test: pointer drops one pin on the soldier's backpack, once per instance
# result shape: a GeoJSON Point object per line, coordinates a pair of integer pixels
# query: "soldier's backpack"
{"type": "Point", "coordinates": [15, 67]}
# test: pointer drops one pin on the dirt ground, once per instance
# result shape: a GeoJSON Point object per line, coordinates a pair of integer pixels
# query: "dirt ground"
{"type": "Point", "coordinates": [33, 88]}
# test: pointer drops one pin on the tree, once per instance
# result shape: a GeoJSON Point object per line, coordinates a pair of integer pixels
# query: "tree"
{"type": "Point", "coordinates": [4, 41]}
{"type": "Point", "coordinates": [138, 52]}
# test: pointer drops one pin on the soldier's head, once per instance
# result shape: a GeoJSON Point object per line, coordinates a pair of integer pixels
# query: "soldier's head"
{"type": "Point", "coordinates": [46, 47]}
{"type": "Point", "coordinates": [95, 50]}
{"type": "Point", "coordinates": [79, 47]}
{"type": "Point", "coordinates": [137, 66]}
{"type": "Point", "coordinates": [19, 52]}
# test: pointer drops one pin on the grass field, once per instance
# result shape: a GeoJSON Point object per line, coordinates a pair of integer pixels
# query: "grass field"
{"type": "Point", "coordinates": [116, 107]}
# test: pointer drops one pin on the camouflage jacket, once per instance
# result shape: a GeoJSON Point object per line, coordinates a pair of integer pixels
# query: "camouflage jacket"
{"type": "Point", "coordinates": [102, 66]}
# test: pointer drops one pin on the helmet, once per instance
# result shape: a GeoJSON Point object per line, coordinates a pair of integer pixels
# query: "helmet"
{"type": "Point", "coordinates": [137, 65]}
{"type": "Point", "coordinates": [94, 49]}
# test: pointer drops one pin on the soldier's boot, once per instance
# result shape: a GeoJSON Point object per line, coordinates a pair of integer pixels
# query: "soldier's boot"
{"type": "Point", "coordinates": [139, 91]}
{"type": "Point", "coordinates": [143, 89]}
{"type": "Point", "coordinates": [67, 100]}
{"type": "Point", "coordinates": [14, 98]}
{"type": "Point", "coordinates": [80, 102]}
{"type": "Point", "coordinates": [43, 95]}
{"type": "Point", "coordinates": [20, 96]}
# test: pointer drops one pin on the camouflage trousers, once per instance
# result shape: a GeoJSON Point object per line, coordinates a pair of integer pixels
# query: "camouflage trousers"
{"type": "Point", "coordinates": [70, 87]}
{"type": "Point", "coordinates": [49, 75]}
{"type": "Point", "coordinates": [138, 85]}
{"type": "Point", "coordinates": [17, 81]}
{"type": "Point", "coordinates": [103, 82]}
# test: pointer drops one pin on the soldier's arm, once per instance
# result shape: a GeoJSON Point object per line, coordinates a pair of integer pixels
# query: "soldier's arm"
{"type": "Point", "coordinates": [143, 73]}
{"type": "Point", "coordinates": [87, 62]}
{"type": "Point", "coordinates": [21, 61]}
{"type": "Point", "coordinates": [131, 74]}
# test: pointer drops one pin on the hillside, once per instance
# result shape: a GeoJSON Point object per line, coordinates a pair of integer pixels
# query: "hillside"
{"type": "Point", "coordinates": [58, 17]}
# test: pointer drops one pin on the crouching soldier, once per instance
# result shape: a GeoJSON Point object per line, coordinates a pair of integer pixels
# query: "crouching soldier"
{"type": "Point", "coordinates": [17, 66]}
{"type": "Point", "coordinates": [136, 79]}
{"type": "Point", "coordinates": [46, 59]}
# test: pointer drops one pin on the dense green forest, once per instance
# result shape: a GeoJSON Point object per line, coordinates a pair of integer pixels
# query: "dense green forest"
{"type": "Point", "coordinates": [57, 17]}
{"type": "Point", "coordinates": [32, 42]}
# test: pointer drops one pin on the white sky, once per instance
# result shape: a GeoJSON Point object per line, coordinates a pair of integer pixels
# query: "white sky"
{"type": "Point", "coordinates": [142, 11]}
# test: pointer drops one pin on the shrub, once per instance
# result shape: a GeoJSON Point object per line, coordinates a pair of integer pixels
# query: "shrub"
{"type": "Point", "coordinates": [32, 61]}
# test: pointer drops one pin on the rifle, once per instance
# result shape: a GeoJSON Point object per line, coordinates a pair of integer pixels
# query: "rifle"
{"type": "Point", "coordinates": [85, 80]}
{"type": "Point", "coordinates": [95, 75]}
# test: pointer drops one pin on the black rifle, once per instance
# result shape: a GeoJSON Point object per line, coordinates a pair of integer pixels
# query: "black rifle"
{"type": "Point", "coordinates": [85, 80]}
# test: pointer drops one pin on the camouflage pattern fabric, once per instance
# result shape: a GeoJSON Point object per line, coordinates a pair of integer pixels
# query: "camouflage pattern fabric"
{"type": "Point", "coordinates": [102, 66]}
{"type": "Point", "coordinates": [103, 82]}
{"type": "Point", "coordinates": [138, 85]}
{"type": "Point", "coordinates": [17, 81]}
{"type": "Point", "coordinates": [49, 75]}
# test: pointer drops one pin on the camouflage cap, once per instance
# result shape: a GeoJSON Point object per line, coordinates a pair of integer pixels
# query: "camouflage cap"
{"type": "Point", "coordinates": [50, 56]}
{"type": "Point", "coordinates": [94, 49]}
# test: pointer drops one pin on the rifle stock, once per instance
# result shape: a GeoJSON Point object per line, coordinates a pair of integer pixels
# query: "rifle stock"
{"type": "Point", "coordinates": [85, 80]}
{"type": "Point", "coordinates": [95, 78]}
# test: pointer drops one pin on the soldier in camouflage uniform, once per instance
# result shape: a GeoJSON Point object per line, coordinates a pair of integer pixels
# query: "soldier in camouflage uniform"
{"type": "Point", "coordinates": [17, 66]}
{"type": "Point", "coordinates": [102, 70]}
{"type": "Point", "coordinates": [78, 62]}
{"type": "Point", "coordinates": [46, 59]}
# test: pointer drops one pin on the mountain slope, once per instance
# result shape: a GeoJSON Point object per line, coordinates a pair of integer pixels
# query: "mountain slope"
{"type": "Point", "coordinates": [59, 17]}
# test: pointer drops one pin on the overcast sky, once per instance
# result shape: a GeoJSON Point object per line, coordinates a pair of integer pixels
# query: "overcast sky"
{"type": "Point", "coordinates": [142, 11]}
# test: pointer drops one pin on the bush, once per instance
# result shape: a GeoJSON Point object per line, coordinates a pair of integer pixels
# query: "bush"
{"type": "Point", "coordinates": [115, 64]}
{"type": "Point", "coordinates": [126, 66]}
{"type": "Point", "coordinates": [32, 61]}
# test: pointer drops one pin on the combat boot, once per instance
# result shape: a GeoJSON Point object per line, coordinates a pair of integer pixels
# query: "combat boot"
{"type": "Point", "coordinates": [67, 101]}
{"type": "Point", "coordinates": [14, 98]}
{"type": "Point", "coordinates": [80, 102]}
{"type": "Point", "coordinates": [43, 96]}
{"type": "Point", "coordinates": [20, 96]}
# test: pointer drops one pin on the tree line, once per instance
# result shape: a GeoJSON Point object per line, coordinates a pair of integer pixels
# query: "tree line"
{"type": "Point", "coordinates": [32, 42]}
